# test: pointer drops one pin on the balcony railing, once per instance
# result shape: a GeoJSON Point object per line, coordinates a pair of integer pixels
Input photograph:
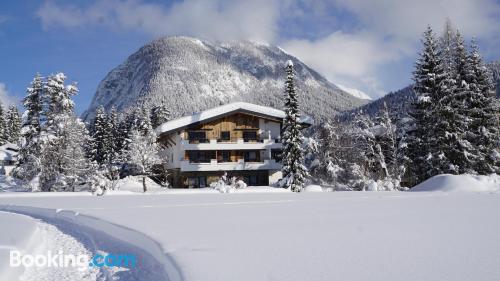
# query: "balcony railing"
{"type": "Point", "coordinates": [253, 140]}
{"type": "Point", "coordinates": [213, 165]}
{"type": "Point", "coordinates": [209, 144]}
{"type": "Point", "coordinates": [195, 141]}
{"type": "Point", "coordinates": [230, 140]}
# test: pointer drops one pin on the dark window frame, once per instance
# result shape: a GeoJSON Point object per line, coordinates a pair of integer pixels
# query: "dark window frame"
{"type": "Point", "coordinates": [197, 136]}
{"type": "Point", "coordinates": [225, 135]}
{"type": "Point", "coordinates": [247, 158]}
{"type": "Point", "coordinates": [250, 135]}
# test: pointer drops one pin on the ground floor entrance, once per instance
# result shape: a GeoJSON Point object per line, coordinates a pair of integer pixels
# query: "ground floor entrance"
{"type": "Point", "coordinates": [204, 179]}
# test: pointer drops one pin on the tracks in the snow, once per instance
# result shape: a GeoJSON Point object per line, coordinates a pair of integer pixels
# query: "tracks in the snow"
{"type": "Point", "coordinates": [100, 236]}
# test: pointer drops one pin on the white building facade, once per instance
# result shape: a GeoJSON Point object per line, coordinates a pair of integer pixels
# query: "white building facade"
{"type": "Point", "coordinates": [241, 139]}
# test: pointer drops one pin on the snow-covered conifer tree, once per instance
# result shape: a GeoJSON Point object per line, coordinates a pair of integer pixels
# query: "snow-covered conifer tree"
{"type": "Point", "coordinates": [100, 137]}
{"type": "Point", "coordinates": [59, 113]}
{"type": "Point", "coordinates": [294, 172]}
{"type": "Point", "coordinates": [143, 122]}
{"type": "Point", "coordinates": [3, 126]}
{"type": "Point", "coordinates": [451, 115]}
{"type": "Point", "coordinates": [447, 45]}
{"type": "Point", "coordinates": [114, 128]}
{"type": "Point", "coordinates": [159, 114]}
{"type": "Point", "coordinates": [106, 142]}
{"type": "Point", "coordinates": [428, 77]}
{"type": "Point", "coordinates": [13, 124]}
{"type": "Point", "coordinates": [122, 133]}
{"type": "Point", "coordinates": [115, 145]}
{"type": "Point", "coordinates": [75, 167]}
{"type": "Point", "coordinates": [483, 111]}
{"type": "Point", "coordinates": [29, 156]}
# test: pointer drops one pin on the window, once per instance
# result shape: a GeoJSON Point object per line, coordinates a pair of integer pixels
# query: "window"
{"type": "Point", "coordinates": [197, 136]}
{"type": "Point", "coordinates": [197, 182]}
{"type": "Point", "coordinates": [252, 180]}
{"type": "Point", "coordinates": [225, 156]}
{"type": "Point", "coordinates": [203, 182]}
{"type": "Point", "coordinates": [250, 156]}
{"type": "Point", "coordinates": [249, 136]}
{"type": "Point", "coordinates": [225, 135]}
{"type": "Point", "coordinates": [200, 156]}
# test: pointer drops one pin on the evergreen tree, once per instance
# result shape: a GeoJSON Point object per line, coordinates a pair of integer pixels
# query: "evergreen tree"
{"type": "Point", "coordinates": [107, 142]}
{"type": "Point", "coordinates": [60, 116]}
{"type": "Point", "coordinates": [100, 137]}
{"type": "Point", "coordinates": [3, 126]}
{"type": "Point", "coordinates": [75, 167]}
{"type": "Point", "coordinates": [122, 133]}
{"type": "Point", "coordinates": [483, 111]}
{"type": "Point", "coordinates": [28, 166]}
{"type": "Point", "coordinates": [424, 154]}
{"type": "Point", "coordinates": [115, 146]}
{"type": "Point", "coordinates": [454, 110]}
{"type": "Point", "coordinates": [294, 172]}
{"type": "Point", "coordinates": [447, 45]}
{"type": "Point", "coordinates": [13, 124]}
{"type": "Point", "coordinates": [114, 134]}
{"type": "Point", "coordinates": [143, 120]}
{"type": "Point", "coordinates": [159, 114]}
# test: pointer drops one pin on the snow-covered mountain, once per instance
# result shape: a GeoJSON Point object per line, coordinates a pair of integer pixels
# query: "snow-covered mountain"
{"type": "Point", "coordinates": [354, 92]}
{"type": "Point", "coordinates": [193, 75]}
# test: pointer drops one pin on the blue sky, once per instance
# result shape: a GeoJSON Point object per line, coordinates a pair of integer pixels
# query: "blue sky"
{"type": "Point", "coordinates": [367, 45]}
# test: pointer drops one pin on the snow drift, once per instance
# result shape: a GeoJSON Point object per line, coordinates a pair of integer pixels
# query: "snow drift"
{"type": "Point", "coordinates": [451, 183]}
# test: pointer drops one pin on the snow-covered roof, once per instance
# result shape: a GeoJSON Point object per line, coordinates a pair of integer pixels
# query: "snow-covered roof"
{"type": "Point", "coordinates": [223, 110]}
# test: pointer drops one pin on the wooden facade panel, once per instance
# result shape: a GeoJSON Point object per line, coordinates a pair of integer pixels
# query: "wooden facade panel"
{"type": "Point", "coordinates": [235, 124]}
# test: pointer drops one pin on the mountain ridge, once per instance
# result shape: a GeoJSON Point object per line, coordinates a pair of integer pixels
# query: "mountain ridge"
{"type": "Point", "coordinates": [193, 75]}
{"type": "Point", "coordinates": [398, 102]}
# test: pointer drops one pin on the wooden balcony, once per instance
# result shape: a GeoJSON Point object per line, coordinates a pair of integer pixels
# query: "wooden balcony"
{"type": "Point", "coordinates": [214, 165]}
{"type": "Point", "coordinates": [231, 144]}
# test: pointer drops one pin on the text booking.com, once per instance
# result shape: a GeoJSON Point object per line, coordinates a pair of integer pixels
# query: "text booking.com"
{"type": "Point", "coordinates": [80, 261]}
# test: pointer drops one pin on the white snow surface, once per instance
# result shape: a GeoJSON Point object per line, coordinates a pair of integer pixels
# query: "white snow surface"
{"type": "Point", "coordinates": [410, 236]}
{"type": "Point", "coordinates": [354, 92]}
{"type": "Point", "coordinates": [460, 183]}
{"type": "Point", "coordinates": [224, 109]}
{"type": "Point", "coordinates": [313, 188]}
{"type": "Point", "coordinates": [29, 235]}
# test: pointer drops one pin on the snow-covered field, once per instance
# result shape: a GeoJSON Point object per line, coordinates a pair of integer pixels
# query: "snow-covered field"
{"type": "Point", "coordinates": [281, 236]}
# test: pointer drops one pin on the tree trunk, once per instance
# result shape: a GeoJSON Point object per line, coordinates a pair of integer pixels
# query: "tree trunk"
{"type": "Point", "coordinates": [144, 184]}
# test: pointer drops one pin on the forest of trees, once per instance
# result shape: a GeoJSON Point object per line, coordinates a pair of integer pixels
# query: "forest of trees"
{"type": "Point", "coordinates": [10, 124]}
{"type": "Point", "coordinates": [452, 126]}
{"type": "Point", "coordinates": [58, 152]}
